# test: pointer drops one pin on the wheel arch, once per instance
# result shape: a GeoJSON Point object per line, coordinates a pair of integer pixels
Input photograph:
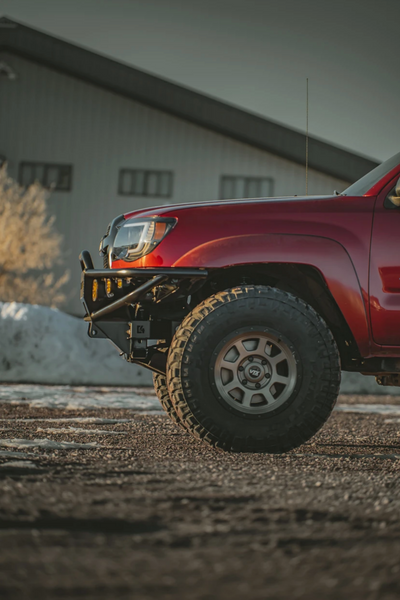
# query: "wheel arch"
{"type": "Point", "coordinates": [303, 281]}
{"type": "Point", "coordinates": [343, 300]}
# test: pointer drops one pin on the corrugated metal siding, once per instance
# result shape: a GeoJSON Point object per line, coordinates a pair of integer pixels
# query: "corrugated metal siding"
{"type": "Point", "coordinates": [50, 117]}
{"type": "Point", "coordinates": [179, 101]}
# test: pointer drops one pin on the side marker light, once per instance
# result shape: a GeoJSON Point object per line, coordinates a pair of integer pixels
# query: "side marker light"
{"type": "Point", "coordinates": [95, 290]}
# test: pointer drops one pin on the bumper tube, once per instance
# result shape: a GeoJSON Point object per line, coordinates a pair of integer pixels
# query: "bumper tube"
{"type": "Point", "coordinates": [169, 272]}
{"type": "Point", "coordinates": [86, 260]}
{"type": "Point", "coordinates": [134, 296]}
{"type": "Point", "coordinates": [157, 276]}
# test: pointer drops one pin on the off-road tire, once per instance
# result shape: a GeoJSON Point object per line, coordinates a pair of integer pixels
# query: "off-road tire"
{"type": "Point", "coordinates": [191, 378]}
{"type": "Point", "coordinates": [161, 390]}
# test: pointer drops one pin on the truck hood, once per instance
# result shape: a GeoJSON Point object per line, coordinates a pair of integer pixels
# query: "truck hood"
{"type": "Point", "coordinates": [168, 210]}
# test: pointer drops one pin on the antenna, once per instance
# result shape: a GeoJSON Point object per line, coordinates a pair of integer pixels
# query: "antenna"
{"type": "Point", "coordinates": [307, 137]}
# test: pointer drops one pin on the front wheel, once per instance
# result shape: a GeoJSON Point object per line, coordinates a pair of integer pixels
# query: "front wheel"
{"type": "Point", "coordinates": [253, 369]}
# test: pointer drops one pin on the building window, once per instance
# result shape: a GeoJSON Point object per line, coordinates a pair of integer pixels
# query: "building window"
{"type": "Point", "coordinates": [140, 182]}
{"type": "Point", "coordinates": [55, 176]}
{"type": "Point", "coordinates": [245, 187]}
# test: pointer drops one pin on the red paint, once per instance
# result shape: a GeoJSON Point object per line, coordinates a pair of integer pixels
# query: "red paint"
{"type": "Point", "coordinates": [354, 242]}
{"type": "Point", "coordinates": [385, 272]}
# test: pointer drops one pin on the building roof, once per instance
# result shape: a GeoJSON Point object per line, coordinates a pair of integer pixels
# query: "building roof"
{"type": "Point", "coordinates": [179, 101]}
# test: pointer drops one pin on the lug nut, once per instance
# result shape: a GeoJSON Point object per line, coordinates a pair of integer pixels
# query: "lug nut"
{"type": "Point", "coordinates": [258, 385]}
{"type": "Point", "coordinates": [263, 362]}
{"type": "Point", "coordinates": [241, 369]}
{"type": "Point", "coordinates": [251, 358]}
{"type": "Point", "coordinates": [267, 376]}
{"type": "Point", "coordinates": [244, 381]}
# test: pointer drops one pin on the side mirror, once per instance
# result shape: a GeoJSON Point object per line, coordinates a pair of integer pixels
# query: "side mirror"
{"type": "Point", "coordinates": [395, 197]}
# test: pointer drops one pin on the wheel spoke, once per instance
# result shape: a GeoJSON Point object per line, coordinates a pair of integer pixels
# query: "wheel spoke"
{"type": "Point", "coordinates": [247, 398]}
{"type": "Point", "coordinates": [267, 395]}
{"type": "Point", "coordinates": [230, 366]}
{"type": "Point", "coordinates": [265, 348]}
{"type": "Point", "coordinates": [233, 385]}
{"type": "Point", "coordinates": [243, 352]}
{"type": "Point", "coordinates": [274, 360]}
{"type": "Point", "coordinates": [280, 379]}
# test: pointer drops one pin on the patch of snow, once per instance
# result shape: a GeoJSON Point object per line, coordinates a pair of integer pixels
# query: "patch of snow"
{"type": "Point", "coordinates": [21, 464]}
{"type": "Point", "coordinates": [379, 409]}
{"type": "Point", "coordinates": [45, 345]}
{"type": "Point", "coordinates": [79, 430]}
{"type": "Point", "coordinates": [346, 456]}
{"type": "Point", "coordinates": [355, 383]}
{"type": "Point", "coordinates": [93, 420]}
{"type": "Point", "coordinates": [72, 398]}
{"type": "Point", "coordinates": [11, 454]}
{"type": "Point", "coordinates": [45, 443]}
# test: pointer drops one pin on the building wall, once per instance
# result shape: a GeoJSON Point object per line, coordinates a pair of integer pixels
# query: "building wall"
{"type": "Point", "coordinates": [51, 117]}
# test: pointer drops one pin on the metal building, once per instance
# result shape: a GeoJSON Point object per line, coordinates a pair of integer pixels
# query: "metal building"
{"type": "Point", "coordinates": [113, 138]}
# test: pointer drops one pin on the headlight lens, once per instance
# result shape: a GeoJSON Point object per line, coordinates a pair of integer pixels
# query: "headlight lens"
{"type": "Point", "coordinates": [136, 238]}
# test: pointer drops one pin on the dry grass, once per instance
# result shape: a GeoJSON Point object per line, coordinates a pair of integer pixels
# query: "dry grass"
{"type": "Point", "coordinates": [29, 245]}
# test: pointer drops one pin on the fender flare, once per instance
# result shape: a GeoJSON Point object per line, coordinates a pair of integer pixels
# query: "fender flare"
{"type": "Point", "coordinates": [328, 256]}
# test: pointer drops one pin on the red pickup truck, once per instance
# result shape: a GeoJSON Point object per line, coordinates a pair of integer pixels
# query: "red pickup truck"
{"type": "Point", "coordinates": [247, 310]}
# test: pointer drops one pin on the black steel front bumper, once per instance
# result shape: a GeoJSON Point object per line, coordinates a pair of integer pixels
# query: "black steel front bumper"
{"type": "Point", "coordinates": [132, 306]}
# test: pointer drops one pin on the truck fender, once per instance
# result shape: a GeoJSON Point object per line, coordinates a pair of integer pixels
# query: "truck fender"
{"type": "Point", "coordinates": [324, 254]}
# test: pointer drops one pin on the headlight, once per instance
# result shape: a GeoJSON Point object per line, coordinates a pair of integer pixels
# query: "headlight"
{"type": "Point", "coordinates": [136, 238]}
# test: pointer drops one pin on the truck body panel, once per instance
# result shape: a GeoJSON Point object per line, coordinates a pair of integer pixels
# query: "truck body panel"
{"type": "Point", "coordinates": [385, 272]}
{"type": "Point", "coordinates": [333, 234]}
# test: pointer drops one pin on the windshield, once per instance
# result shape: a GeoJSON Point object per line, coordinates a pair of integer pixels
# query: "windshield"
{"type": "Point", "coordinates": [361, 187]}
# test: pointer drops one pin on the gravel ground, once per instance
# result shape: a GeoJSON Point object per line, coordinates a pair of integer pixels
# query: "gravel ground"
{"type": "Point", "coordinates": [114, 503]}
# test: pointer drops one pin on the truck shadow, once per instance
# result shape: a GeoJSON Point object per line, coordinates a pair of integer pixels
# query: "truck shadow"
{"type": "Point", "coordinates": [70, 524]}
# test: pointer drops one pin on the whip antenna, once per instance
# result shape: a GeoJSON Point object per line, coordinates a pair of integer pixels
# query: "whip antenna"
{"type": "Point", "coordinates": [307, 136]}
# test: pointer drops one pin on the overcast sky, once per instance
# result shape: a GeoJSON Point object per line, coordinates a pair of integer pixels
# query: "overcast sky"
{"type": "Point", "coordinates": [255, 54]}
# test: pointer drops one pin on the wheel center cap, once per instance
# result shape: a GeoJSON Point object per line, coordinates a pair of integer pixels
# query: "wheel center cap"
{"type": "Point", "coordinates": [254, 372]}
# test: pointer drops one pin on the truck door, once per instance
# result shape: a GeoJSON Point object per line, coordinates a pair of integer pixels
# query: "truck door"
{"type": "Point", "coordinates": [384, 286]}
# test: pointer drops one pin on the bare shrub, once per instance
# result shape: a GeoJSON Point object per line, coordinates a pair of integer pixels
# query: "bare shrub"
{"type": "Point", "coordinates": [29, 244]}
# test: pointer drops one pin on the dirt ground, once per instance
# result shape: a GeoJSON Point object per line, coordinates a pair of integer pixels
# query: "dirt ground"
{"type": "Point", "coordinates": [150, 513]}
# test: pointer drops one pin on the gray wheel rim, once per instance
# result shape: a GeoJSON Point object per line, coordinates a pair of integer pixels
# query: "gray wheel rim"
{"type": "Point", "coordinates": [255, 372]}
